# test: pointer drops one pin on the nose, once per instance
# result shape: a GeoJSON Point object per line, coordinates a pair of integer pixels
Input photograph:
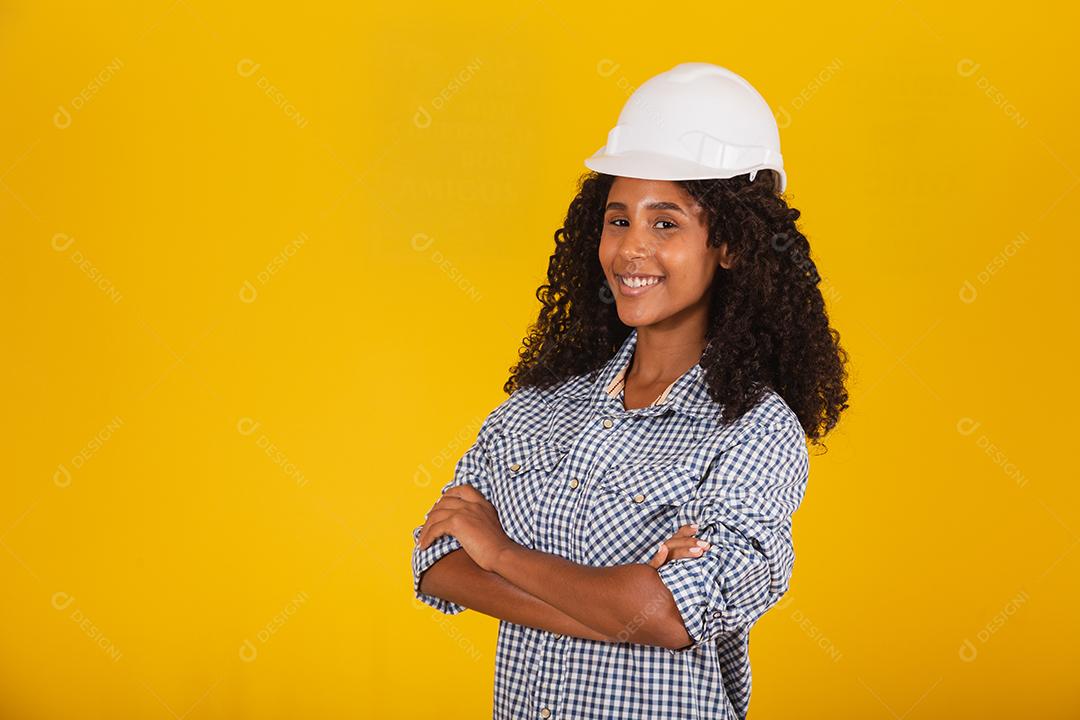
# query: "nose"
{"type": "Point", "coordinates": [636, 247]}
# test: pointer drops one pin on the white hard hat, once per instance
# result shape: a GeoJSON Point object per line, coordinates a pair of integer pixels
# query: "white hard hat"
{"type": "Point", "coordinates": [693, 122]}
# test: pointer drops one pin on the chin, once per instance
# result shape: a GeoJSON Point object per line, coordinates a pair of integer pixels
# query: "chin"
{"type": "Point", "coordinates": [639, 319]}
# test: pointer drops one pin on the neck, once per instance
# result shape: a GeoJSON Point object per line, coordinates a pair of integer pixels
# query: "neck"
{"type": "Point", "coordinates": [662, 355]}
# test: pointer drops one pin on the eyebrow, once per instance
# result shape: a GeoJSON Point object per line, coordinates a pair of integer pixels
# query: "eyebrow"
{"type": "Point", "coordinates": [661, 205]}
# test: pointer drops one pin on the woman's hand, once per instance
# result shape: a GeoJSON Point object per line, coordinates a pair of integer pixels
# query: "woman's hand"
{"type": "Point", "coordinates": [465, 513]}
{"type": "Point", "coordinates": [682, 544]}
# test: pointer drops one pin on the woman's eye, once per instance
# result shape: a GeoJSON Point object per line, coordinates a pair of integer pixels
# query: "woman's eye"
{"type": "Point", "coordinates": [621, 220]}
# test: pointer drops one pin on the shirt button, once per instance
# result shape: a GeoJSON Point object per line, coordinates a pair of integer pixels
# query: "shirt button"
{"type": "Point", "coordinates": [755, 543]}
{"type": "Point", "coordinates": [717, 614]}
{"type": "Point", "coordinates": [544, 712]}
{"type": "Point", "coordinates": [515, 467]}
{"type": "Point", "coordinates": [574, 483]}
{"type": "Point", "coordinates": [639, 498]}
{"type": "Point", "coordinates": [608, 423]}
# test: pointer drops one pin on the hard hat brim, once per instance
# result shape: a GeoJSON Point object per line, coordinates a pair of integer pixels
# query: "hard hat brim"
{"type": "Point", "coordinates": [651, 166]}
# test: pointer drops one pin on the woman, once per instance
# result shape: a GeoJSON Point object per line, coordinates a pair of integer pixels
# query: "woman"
{"type": "Point", "coordinates": [626, 511]}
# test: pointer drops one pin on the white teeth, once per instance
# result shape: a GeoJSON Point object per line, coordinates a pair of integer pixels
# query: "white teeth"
{"type": "Point", "coordinates": [638, 281]}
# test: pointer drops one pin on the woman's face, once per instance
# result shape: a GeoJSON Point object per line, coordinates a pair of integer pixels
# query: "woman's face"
{"type": "Point", "coordinates": [655, 232]}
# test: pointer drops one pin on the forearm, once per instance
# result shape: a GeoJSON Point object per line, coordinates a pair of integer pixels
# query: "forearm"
{"type": "Point", "coordinates": [458, 579]}
{"type": "Point", "coordinates": [629, 603]}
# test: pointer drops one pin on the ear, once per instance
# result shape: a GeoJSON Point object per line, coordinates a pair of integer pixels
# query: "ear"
{"type": "Point", "coordinates": [727, 259]}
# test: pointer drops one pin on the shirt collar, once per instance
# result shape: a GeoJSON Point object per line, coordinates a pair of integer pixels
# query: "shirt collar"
{"type": "Point", "coordinates": [689, 394]}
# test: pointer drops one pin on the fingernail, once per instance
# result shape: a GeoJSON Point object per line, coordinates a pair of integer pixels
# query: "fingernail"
{"type": "Point", "coordinates": [695, 549]}
{"type": "Point", "coordinates": [703, 543]}
{"type": "Point", "coordinates": [694, 525]}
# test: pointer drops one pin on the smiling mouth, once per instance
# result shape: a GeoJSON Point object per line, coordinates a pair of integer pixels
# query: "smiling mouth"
{"type": "Point", "coordinates": [638, 284]}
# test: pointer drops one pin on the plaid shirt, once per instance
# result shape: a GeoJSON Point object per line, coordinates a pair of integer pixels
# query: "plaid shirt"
{"type": "Point", "coordinates": [572, 472]}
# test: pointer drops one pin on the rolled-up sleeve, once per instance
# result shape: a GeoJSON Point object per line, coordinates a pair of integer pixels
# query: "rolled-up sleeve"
{"type": "Point", "coordinates": [743, 508]}
{"type": "Point", "coordinates": [474, 468]}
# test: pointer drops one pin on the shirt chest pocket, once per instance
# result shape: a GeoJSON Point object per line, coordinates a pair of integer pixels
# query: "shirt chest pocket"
{"type": "Point", "coordinates": [524, 467]}
{"type": "Point", "coordinates": [633, 508]}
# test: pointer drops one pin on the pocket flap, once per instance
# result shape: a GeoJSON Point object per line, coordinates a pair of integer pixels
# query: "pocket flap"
{"type": "Point", "coordinates": [653, 484]}
{"type": "Point", "coordinates": [520, 454]}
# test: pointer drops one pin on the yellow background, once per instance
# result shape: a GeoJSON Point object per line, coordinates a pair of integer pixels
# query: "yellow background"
{"type": "Point", "coordinates": [266, 277]}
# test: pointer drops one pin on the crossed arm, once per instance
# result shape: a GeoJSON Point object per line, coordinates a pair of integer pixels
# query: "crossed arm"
{"type": "Point", "coordinates": [495, 575]}
{"type": "Point", "coordinates": [625, 603]}
{"type": "Point", "coordinates": [458, 579]}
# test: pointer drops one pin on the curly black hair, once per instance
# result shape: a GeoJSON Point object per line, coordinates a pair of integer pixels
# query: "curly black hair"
{"type": "Point", "coordinates": [767, 322]}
